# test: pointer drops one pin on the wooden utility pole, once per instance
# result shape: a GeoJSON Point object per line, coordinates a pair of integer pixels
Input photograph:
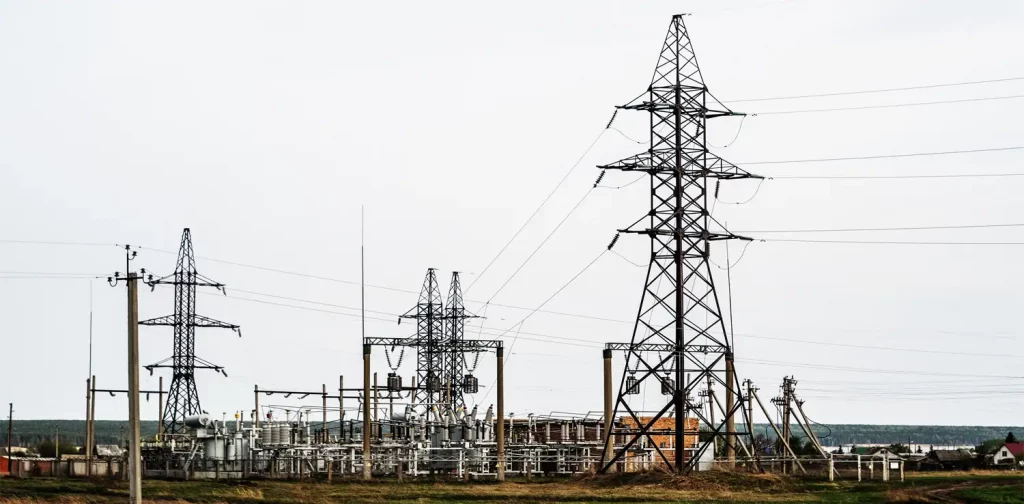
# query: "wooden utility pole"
{"type": "Point", "coordinates": [323, 426]}
{"type": "Point", "coordinates": [134, 428]}
{"type": "Point", "coordinates": [56, 443]}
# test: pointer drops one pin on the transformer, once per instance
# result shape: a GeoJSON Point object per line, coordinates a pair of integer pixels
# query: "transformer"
{"type": "Point", "coordinates": [433, 383]}
{"type": "Point", "coordinates": [394, 382]}
{"type": "Point", "coordinates": [470, 385]}
{"type": "Point", "coordinates": [632, 385]}
{"type": "Point", "coordinates": [668, 386]}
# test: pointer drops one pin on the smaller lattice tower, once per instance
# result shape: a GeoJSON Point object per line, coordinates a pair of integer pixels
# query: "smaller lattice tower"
{"type": "Point", "coordinates": [183, 397]}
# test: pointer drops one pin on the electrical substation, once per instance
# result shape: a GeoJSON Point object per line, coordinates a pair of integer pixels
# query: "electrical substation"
{"type": "Point", "coordinates": [413, 420]}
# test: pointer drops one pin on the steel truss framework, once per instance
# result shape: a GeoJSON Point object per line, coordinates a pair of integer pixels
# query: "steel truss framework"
{"type": "Point", "coordinates": [440, 344]}
{"type": "Point", "coordinates": [429, 316]}
{"type": "Point", "coordinates": [455, 326]}
{"type": "Point", "coordinates": [680, 319]}
{"type": "Point", "coordinates": [183, 397]}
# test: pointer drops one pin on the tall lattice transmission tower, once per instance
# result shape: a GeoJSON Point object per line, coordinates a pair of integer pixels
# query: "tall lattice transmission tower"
{"type": "Point", "coordinates": [680, 343]}
{"type": "Point", "coordinates": [430, 343]}
{"type": "Point", "coordinates": [183, 397]}
{"type": "Point", "coordinates": [458, 373]}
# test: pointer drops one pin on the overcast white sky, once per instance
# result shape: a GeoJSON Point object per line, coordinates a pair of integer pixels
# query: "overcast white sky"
{"type": "Point", "coordinates": [264, 126]}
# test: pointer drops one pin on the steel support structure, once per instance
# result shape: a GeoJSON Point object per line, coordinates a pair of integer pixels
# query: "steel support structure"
{"type": "Point", "coordinates": [455, 316]}
{"type": "Point", "coordinates": [183, 397]}
{"type": "Point", "coordinates": [679, 338]}
{"type": "Point", "coordinates": [430, 355]}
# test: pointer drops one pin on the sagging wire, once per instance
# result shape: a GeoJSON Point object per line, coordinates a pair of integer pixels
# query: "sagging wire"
{"type": "Point", "coordinates": [615, 240]}
{"type": "Point", "coordinates": [738, 259]}
{"type": "Point", "coordinates": [627, 137]}
{"type": "Point", "coordinates": [744, 202]}
{"type": "Point", "coordinates": [623, 186]}
{"type": "Point", "coordinates": [739, 129]}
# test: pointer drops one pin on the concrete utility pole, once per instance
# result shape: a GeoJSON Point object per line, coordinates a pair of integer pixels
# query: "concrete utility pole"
{"type": "Point", "coordinates": [56, 443]}
{"type": "Point", "coordinates": [160, 412]}
{"type": "Point", "coordinates": [92, 427]}
{"type": "Point", "coordinates": [608, 412]}
{"type": "Point", "coordinates": [256, 394]}
{"type": "Point", "coordinates": [134, 428]}
{"type": "Point", "coordinates": [88, 401]}
{"type": "Point", "coordinates": [501, 414]}
{"type": "Point", "coordinates": [323, 425]}
{"type": "Point", "coordinates": [730, 417]}
{"type": "Point", "coordinates": [366, 412]}
{"type": "Point", "coordinates": [10, 421]}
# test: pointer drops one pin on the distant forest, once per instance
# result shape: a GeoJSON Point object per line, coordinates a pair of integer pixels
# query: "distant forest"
{"type": "Point", "coordinates": [33, 432]}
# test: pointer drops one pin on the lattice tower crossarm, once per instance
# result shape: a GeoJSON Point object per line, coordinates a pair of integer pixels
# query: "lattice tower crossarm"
{"type": "Point", "coordinates": [183, 396]}
{"type": "Point", "coordinates": [679, 340]}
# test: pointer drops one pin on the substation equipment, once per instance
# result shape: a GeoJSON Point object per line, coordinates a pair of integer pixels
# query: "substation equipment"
{"type": "Point", "coordinates": [421, 425]}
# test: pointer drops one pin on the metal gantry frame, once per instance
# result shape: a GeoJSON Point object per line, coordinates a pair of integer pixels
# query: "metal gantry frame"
{"type": "Point", "coordinates": [679, 318]}
{"type": "Point", "coordinates": [183, 397]}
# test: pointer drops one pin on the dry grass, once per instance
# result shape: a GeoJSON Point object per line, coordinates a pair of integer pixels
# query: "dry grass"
{"type": "Point", "coordinates": [714, 486]}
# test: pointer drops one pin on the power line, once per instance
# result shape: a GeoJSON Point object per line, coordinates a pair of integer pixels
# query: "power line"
{"type": "Point", "coordinates": [882, 156]}
{"type": "Point", "coordinates": [883, 90]}
{"type": "Point", "coordinates": [70, 243]}
{"type": "Point", "coordinates": [855, 177]}
{"type": "Point", "coordinates": [542, 203]}
{"type": "Point", "coordinates": [541, 245]}
{"type": "Point", "coordinates": [869, 370]}
{"type": "Point", "coordinates": [891, 105]}
{"type": "Point", "coordinates": [381, 287]}
{"type": "Point", "coordinates": [909, 228]}
{"type": "Point", "coordinates": [886, 242]}
{"type": "Point", "coordinates": [546, 301]}
{"type": "Point", "coordinates": [890, 349]}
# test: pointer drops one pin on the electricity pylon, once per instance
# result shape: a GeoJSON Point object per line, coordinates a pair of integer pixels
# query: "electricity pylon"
{"type": "Point", "coordinates": [679, 339]}
{"type": "Point", "coordinates": [183, 397]}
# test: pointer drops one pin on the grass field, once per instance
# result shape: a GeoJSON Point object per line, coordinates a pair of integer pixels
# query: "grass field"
{"type": "Point", "coordinates": [973, 487]}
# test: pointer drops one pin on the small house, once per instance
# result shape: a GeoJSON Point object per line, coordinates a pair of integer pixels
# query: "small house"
{"type": "Point", "coordinates": [1008, 453]}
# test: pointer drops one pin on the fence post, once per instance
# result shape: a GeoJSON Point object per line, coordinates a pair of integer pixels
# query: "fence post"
{"type": "Point", "coordinates": [858, 468]}
{"type": "Point", "coordinates": [885, 469]}
{"type": "Point", "coordinates": [831, 469]}
{"type": "Point", "coordinates": [901, 471]}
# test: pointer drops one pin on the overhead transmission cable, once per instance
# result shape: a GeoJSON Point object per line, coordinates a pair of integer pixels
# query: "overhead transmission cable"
{"type": "Point", "coordinates": [886, 106]}
{"type": "Point", "coordinates": [872, 91]}
{"type": "Point", "coordinates": [903, 228]}
{"type": "Point", "coordinates": [882, 156]}
{"type": "Point", "coordinates": [542, 203]}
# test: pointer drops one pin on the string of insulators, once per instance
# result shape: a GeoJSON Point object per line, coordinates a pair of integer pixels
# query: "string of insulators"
{"type": "Point", "coordinates": [614, 240]}
{"type": "Point", "coordinates": [599, 178]}
{"type": "Point", "coordinates": [610, 121]}
{"type": "Point", "coordinates": [718, 184]}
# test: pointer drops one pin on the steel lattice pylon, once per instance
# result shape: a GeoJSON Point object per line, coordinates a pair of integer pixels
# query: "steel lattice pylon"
{"type": "Point", "coordinates": [182, 397]}
{"type": "Point", "coordinates": [430, 355]}
{"type": "Point", "coordinates": [455, 318]}
{"type": "Point", "coordinates": [679, 340]}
